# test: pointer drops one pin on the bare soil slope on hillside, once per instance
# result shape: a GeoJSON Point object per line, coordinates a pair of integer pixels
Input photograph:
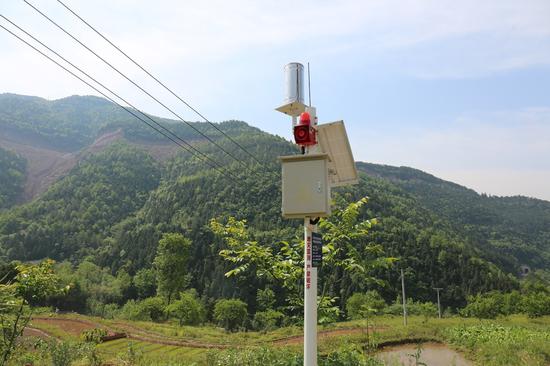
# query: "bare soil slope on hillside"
{"type": "Point", "coordinates": [45, 165]}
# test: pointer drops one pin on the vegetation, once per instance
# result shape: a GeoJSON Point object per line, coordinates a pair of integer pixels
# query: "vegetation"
{"type": "Point", "coordinates": [108, 213]}
{"type": "Point", "coordinates": [509, 230]}
{"type": "Point", "coordinates": [170, 244]}
{"type": "Point", "coordinates": [503, 345]}
{"type": "Point", "coordinates": [12, 178]}
{"type": "Point", "coordinates": [493, 304]}
{"type": "Point", "coordinates": [30, 284]}
{"type": "Point", "coordinates": [187, 309]}
{"type": "Point", "coordinates": [231, 313]}
{"type": "Point", "coordinates": [511, 341]}
{"type": "Point", "coordinates": [76, 213]}
{"type": "Point", "coordinates": [359, 304]}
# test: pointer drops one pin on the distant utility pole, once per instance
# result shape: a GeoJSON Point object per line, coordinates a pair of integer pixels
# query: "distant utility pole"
{"type": "Point", "coordinates": [438, 303]}
{"type": "Point", "coordinates": [404, 298]}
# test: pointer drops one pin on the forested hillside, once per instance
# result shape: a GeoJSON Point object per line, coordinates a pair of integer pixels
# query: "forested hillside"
{"type": "Point", "coordinates": [511, 230]}
{"type": "Point", "coordinates": [71, 123]}
{"type": "Point", "coordinates": [76, 213]}
{"type": "Point", "coordinates": [114, 206]}
{"type": "Point", "coordinates": [12, 178]}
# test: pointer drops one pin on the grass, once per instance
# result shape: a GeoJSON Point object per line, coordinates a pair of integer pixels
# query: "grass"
{"type": "Point", "coordinates": [207, 334]}
{"type": "Point", "coordinates": [151, 352]}
{"type": "Point", "coordinates": [514, 340]}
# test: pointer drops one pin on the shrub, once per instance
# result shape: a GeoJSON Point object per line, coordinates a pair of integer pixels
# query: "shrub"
{"type": "Point", "coordinates": [152, 308]}
{"type": "Point", "coordinates": [537, 304]}
{"type": "Point", "coordinates": [485, 306]}
{"type": "Point", "coordinates": [512, 303]}
{"type": "Point", "coordinates": [327, 310]}
{"type": "Point", "coordinates": [110, 311]}
{"type": "Point", "coordinates": [63, 353]}
{"type": "Point", "coordinates": [264, 356]}
{"type": "Point", "coordinates": [265, 299]}
{"type": "Point", "coordinates": [267, 320]}
{"type": "Point", "coordinates": [93, 335]}
{"type": "Point", "coordinates": [413, 308]}
{"type": "Point", "coordinates": [261, 356]}
{"type": "Point", "coordinates": [145, 282]}
{"type": "Point", "coordinates": [349, 356]}
{"type": "Point", "coordinates": [132, 311]}
{"type": "Point", "coordinates": [230, 313]}
{"type": "Point", "coordinates": [132, 355]}
{"type": "Point", "coordinates": [426, 309]}
{"type": "Point", "coordinates": [359, 304]}
{"type": "Point", "coordinates": [188, 309]}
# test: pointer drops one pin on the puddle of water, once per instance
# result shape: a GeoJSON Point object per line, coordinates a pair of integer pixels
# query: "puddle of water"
{"type": "Point", "coordinates": [433, 354]}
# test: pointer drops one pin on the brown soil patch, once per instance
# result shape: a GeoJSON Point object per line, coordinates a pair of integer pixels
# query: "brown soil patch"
{"type": "Point", "coordinates": [77, 326]}
{"type": "Point", "coordinates": [32, 332]}
{"type": "Point", "coordinates": [46, 165]}
{"type": "Point", "coordinates": [71, 326]}
{"type": "Point", "coordinates": [169, 342]}
{"type": "Point", "coordinates": [140, 334]}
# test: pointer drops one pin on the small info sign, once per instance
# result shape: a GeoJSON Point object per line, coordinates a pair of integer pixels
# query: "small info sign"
{"type": "Point", "coordinates": [316, 250]}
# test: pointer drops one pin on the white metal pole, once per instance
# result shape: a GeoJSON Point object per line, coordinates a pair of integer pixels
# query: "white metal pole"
{"type": "Point", "coordinates": [404, 299]}
{"type": "Point", "coordinates": [310, 300]}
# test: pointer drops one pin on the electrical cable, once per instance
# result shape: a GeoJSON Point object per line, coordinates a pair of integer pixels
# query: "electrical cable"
{"type": "Point", "coordinates": [187, 147]}
{"type": "Point", "coordinates": [159, 82]}
{"type": "Point", "coordinates": [139, 87]}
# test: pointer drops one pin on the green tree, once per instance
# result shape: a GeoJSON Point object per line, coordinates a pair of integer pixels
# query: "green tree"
{"type": "Point", "coordinates": [537, 304]}
{"type": "Point", "coordinates": [33, 283]}
{"type": "Point", "coordinates": [187, 309]}
{"type": "Point", "coordinates": [149, 309]}
{"type": "Point", "coordinates": [483, 306]}
{"type": "Point", "coordinates": [12, 177]}
{"type": "Point", "coordinates": [145, 282]}
{"type": "Point", "coordinates": [265, 299]}
{"type": "Point", "coordinates": [98, 284]}
{"type": "Point", "coordinates": [281, 266]}
{"type": "Point", "coordinates": [154, 307]}
{"type": "Point", "coordinates": [359, 303]}
{"type": "Point", "coordinates": [230, 313]}
{"type": "Point", "coordinates": [267, 320]}
{"type": "Point", "coordinates": [345, 250]}
{"type": "Point", "coordinates": [64, 353]}
{"type": "Point", "coordinates": [171, 264]}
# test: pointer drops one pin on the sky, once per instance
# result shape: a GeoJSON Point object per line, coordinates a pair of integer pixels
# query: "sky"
{"type": "Point", "coordinates": [459, 89]}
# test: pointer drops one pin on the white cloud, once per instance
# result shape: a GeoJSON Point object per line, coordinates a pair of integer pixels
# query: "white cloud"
{"type": "Point", "coordinates": [501, 152]}
{"type": "Point", "coordinates": [224, 57]}
{"type": "Point", "coordinates": [201, 34]}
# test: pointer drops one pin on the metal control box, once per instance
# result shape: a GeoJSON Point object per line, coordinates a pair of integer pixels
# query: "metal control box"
{"type": "Point", "coordinates": [305, 186]}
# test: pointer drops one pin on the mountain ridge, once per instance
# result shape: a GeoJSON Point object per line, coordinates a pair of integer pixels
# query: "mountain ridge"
{"type": "Point", "coordinates": [473, 242]}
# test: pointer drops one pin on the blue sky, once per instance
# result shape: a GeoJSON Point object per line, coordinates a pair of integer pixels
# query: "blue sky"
{"type": "Point", "coordinates": [460, 89]}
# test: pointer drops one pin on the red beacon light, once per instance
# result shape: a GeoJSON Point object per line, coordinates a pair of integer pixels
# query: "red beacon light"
{"type": "Point", "coordinates": [304, 133]}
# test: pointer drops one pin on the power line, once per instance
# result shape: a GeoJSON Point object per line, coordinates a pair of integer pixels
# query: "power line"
{"type": "Point", "coordinates": [159, 82]}
{"type": "Point", "coordinates": [118, 96]}
{"type": "Point", "coordinates": [139, 87]}
{"type": "Point", "coordinates": [187, 147]}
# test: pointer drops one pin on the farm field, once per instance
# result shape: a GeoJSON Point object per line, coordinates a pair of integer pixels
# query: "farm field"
{"type": "Point", "coordinates": [514, 340]}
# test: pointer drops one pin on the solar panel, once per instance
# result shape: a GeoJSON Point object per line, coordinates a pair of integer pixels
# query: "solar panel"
{"type": "Point", "coordinates": [334, 142]}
